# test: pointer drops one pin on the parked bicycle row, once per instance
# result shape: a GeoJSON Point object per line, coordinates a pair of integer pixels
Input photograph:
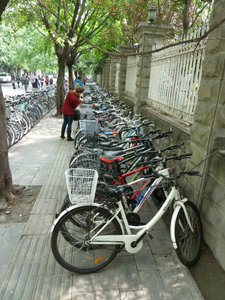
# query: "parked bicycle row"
{"type": "Point", "coordinates": [115, 168]}
{"type": "Point", "coordinates": [23, 112]}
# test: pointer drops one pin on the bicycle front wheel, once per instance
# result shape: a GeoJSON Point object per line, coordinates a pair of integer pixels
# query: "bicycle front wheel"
{"type": "Point", "coordinates": [70, 239]}
{"type": "Point", "coordinates": [188, 242]}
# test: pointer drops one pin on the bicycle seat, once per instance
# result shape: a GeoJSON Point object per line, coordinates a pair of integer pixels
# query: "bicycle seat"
{"type": "Point", "coordinates": [112, 149]}
{"type": "Point", "coordinates": [116, 191]}
{"type": "Point", "coordinates": [111, 160]}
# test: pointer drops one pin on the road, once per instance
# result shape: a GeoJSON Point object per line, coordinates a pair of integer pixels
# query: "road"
{"type": "Point", "coordinates": [8, 90]}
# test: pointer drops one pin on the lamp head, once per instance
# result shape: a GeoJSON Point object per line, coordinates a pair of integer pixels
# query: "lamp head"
{"type": "Point", "coordinates": [152, 13]}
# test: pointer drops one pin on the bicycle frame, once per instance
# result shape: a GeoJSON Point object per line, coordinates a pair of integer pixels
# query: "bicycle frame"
{"type": "Point", "coordinates": [150, 190]}
{"type": "Point", "coordinates": [133, 242]}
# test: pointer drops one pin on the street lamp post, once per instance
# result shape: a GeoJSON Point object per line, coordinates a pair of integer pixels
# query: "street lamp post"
{"type": "Point", "coordinates": [151, 14]}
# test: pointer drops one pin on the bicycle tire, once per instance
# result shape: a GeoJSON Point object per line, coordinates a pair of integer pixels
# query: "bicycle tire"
{"type": "Point", "coordinates": [77, 255]}
{"type": "Point", "coordinates": [10, 135]}
{"type": "Point", "coordinates": [188, 243]}
{"type": "Point", "coordinates": [79, 134]}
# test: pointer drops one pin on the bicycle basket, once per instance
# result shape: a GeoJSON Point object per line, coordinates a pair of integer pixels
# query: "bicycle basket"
{"type": "Point", "coordinates": [89, 127]}
{"type": "Point", "coordinates": [81, 185]}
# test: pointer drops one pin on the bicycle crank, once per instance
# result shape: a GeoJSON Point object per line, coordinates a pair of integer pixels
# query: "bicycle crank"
{"type": "Point", "coordinates": [132, 247]}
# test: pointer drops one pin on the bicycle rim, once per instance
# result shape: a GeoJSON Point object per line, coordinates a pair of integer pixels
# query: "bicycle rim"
{"type": "Point", "coordinates": [188, 242]}
{"type": "Point", "coordinates": [70, 238]}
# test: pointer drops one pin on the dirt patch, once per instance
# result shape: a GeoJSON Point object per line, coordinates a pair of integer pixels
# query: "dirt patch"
{"type": "Point", "coordinates": [19, 209]}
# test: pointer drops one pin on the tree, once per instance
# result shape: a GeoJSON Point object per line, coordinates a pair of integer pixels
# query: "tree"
{"type": "Point", "coordinates": [61, 20]}
{"type": "Point", "coordinates": [5, 173]}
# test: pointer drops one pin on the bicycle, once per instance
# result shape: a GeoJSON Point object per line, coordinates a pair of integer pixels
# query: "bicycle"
{"type": "Point", "coordinates": [86, 238]}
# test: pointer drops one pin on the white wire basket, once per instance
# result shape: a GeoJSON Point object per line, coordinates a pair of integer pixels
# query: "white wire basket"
{"type": "Point", "coordinates": [81, 185]}
{"type": "Point", "coordinates": [89, 127]}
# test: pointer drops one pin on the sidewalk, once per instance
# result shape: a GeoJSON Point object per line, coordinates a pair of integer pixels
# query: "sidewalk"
{"type": "Point", "coordinates": [31, 272]}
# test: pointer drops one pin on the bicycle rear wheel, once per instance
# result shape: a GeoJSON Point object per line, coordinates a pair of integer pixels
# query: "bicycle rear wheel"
{"type": "Point", "coordinates": [72, 249]}
{"type": "Point", "coordinates": [188, 242]}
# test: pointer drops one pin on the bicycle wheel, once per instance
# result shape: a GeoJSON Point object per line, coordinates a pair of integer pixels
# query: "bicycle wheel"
{"type": "Point", "coordinates": [86, 160]}
{"type": "Point", "coordinates": [188, 242]}
{"type": "Point", "coordinates": [75, 253]}
{"type": "Point", "coordinates": [79, 134]}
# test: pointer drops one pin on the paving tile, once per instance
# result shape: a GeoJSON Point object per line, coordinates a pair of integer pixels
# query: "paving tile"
{"type": "Point", "coordinates": [127, 274]}
{"type": "Point", "coordinates": [9, 239]}
{"type": "Point", "coordinates": [83, 296]}
{"type": "Point", "coordinates": [151, 281]}
{"type": "Point", "coordinates": [144, 258]}
{"type": "Point", "coordinates": [159, 244]}
{"type": "Point", "coordinates": [38, 224]}
{"type": "Point", "coordinates": [133, 295]}
{"type": "Point", "coordinates": [107, 294]}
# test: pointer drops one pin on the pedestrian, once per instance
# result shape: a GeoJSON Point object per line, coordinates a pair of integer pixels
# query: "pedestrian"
{"type": "Point", "coordinates": [22, 79]}
{"type": "Point", "coordinates": [36, 84]}
{"type": "Point", "coordinates": [73, 99]}
{"type": "Point", "coordinates": [46, 81]}
{"type": "Point", "coordinates": [42, 81]}
{"type": "Point", "coordinates": [26, 83]}
{"type": "Point", "coordinates": [18, 80]}
{"type": "Point", "coordinates": [13, 79]}
{"type": "Point", "coordinates": [77, 82]}
{"type": "Point", "coordinates": [32, 79]}
{"type": "Point", "coordinates": [51, 81]}
{"type": "Point", "coordinates": [84, 81]}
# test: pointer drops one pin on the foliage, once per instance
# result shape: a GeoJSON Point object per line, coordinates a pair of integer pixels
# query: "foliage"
{"type": "Point", "coordinates": [105, 23]}
{"type": "Point", "coordinates": [26, 48]}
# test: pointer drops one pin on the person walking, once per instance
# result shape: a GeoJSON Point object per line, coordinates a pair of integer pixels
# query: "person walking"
{"type": "Point", "coordinates": [42, 81]}
{"type": "Point", "coordinates": [46, 81]}
{"type": "Point", "coordinates": [18, 80]}
{"type": "Point", "coordinates": [70, 104]}
{"type": "Point", "coordinates": [26, 83]}
{"type": "Point", "coordinates": [13, 81]}
{"type": "Point", "coordinates": [77, 82]}
{"type": "Point", "coordinates": [36, 84]}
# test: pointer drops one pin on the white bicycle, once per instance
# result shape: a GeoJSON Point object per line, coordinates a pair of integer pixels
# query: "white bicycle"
{"type": "Point", "coordinates": [86, 238]}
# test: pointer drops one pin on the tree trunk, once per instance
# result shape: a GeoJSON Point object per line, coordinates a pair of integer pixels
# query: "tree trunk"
{"type": "Point", "coordinates": [70, 71]}
{"type": "Point", "coordinates": [186, 17]}
{"type": "Point", "coordinates": [6, 186]}
{"type": "Point", "coordinates": [60, 95]}
{"type": "Point", "coordinates": [3, 5]}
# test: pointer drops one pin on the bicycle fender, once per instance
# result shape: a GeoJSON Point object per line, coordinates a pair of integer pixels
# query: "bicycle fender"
{"type": "Point", "coordinates": [81, 205]}
{"type": "Point", "coordinates": [178, 206]}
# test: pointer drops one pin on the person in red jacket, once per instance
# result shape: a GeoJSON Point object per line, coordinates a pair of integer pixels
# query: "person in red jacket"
{"type": "Point", "coordinates": [46, 81]}
{"type": "Point", "coordinates": [70, 104]}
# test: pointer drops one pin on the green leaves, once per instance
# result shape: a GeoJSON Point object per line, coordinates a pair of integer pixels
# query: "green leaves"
{"type": "Point", "coordinates": [26, 48]}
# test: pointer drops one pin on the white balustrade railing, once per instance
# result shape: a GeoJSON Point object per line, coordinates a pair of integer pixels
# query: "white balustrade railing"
{"type": "Point", "coordinates": [175, 78]}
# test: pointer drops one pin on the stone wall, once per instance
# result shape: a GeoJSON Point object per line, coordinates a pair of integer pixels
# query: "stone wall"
{"type": "Point", "coordinates": [208, 139]}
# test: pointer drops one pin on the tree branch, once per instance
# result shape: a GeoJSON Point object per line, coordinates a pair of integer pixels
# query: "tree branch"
{"type": "Point", "coordinates": [3, 5]}
{"type": "Point", "coordinates": [57, 24]}
{"type": "Point", "coordinates": [114, 54]}
{"type": "Point", "coordinates": [199, 12]}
